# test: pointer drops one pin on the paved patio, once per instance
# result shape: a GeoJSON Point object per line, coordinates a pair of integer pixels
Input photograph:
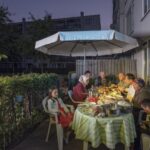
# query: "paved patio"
{"type": "Point", "coordinates": [35, 141]}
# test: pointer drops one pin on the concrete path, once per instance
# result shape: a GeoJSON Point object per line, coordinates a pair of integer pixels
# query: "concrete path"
{"type": "Point", "coordinates": [35, 141]}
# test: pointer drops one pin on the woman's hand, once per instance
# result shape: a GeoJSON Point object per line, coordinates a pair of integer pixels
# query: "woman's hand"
{"type": "Point", "coordinates": [62, 113]}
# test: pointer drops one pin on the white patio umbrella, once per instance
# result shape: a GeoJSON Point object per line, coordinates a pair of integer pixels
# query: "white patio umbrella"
{"type": "Point", "coordinates": [86, 43]}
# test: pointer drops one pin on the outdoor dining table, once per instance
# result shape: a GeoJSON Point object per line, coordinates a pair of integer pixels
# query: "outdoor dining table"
{"type": "Point", "coordinates": [107, 130]}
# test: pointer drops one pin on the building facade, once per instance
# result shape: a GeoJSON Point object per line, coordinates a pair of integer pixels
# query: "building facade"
{"type": "Point", "coordinates": [79, 23]}
{"type": "Point", "coordinates": [132, 17]}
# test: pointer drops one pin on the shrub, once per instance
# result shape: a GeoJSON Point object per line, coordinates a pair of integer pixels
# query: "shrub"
{"type": "Point", "coordinates": [17, 117]}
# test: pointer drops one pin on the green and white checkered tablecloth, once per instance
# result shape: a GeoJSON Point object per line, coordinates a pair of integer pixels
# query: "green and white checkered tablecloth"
{"type": "Point", "coordinates": [109, 130]}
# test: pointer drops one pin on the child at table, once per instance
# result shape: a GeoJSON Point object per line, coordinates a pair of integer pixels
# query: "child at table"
{"type": "Point", "coordinates": [56, 105]}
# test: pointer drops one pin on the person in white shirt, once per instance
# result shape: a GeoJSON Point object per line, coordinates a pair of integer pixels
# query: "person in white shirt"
{"type": "Point", "coordinates": [130, 78]}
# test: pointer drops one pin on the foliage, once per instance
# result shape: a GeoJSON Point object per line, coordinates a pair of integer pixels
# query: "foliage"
{"type": "Point", "coordinates": [15, 117]}
{"type": "Point", "coordinates": [36, 29]}
{"type": "Point", "coordinates": [2, 56]}
{"type": "Point", "coordinates": [18, 43]}
{"type": "Point", "coordinates": [4, 20]}
{"type": "Point", "coordinates": [4, 15]}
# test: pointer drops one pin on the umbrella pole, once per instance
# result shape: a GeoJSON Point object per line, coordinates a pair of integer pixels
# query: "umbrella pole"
{"type": "Point", "coordinates": [84, 64]}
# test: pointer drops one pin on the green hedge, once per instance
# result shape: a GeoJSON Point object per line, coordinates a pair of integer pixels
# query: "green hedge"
{"type": "Point", "coordinates": [18, 117]}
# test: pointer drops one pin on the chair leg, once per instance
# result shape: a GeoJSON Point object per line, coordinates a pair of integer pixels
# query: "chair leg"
{"type": "Point", "coordinates": [59, 136]}
{"type": "Point", "coordinates": [48, 132]}
{"type": "Point", "coordinates": [85, 145]}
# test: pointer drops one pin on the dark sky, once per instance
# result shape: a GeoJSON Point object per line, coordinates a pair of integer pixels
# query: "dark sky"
{"type": "Point", "coordinates": [60, 8]}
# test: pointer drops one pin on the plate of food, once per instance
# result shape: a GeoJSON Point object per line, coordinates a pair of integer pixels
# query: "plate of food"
{"type": "Point", "coordinates": [124, 104]}
{"type": "Point", "coordinates": [109, 101]}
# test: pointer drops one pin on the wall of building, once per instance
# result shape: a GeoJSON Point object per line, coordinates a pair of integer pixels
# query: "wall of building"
{"type": "Point", "coordinates": [139, 57]}
{"type": "Point", "coordinates": [141, 20]}
{"type": "Point", "coordinates": [137, 26]}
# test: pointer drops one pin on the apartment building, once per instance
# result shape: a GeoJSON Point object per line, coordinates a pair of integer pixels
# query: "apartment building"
{"type": "Point", "coordinates": [82, 22]}
{"type": "Point", "coordinates": [132, 17]}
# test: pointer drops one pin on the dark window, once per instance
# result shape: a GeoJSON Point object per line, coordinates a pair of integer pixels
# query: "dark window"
{"type": "Point", "coordinates": [146, 6]}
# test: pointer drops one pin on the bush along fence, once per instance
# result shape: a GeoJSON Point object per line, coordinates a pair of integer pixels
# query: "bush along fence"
{"type": "Point", "coordinates": [20, 104]}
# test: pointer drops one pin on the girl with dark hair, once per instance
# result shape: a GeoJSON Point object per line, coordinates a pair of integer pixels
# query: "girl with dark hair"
{"type": "Point", "coordinates": [56, 105]}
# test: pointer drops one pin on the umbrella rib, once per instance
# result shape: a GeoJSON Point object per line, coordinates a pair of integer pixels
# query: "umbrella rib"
{"type": "Point", "coordinates": [74, 46]}
{"type": "Point", "coordinates": [56, 45]}
{"type": "Point", "coordinates": [112, 44]}
{"type": "Point", "coordinates": [94, 47]}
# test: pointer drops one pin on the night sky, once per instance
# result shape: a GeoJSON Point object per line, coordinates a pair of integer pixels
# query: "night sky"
{"type": "Point", "coordinates": [60, 9]}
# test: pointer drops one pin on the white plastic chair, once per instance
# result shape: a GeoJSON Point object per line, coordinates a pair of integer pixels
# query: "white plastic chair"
{"type": "Point", "coordinates": [53, 119]}
{"type": "Point", "coordinates": [145, 141]}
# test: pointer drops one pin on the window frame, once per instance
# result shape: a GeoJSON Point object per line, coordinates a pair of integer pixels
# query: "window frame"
{"type": "Point", "coordinates": [145, 12]}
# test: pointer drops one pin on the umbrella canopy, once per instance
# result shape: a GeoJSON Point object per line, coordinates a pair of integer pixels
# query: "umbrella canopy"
{"type": "Point", "coordinates": [94, 43]}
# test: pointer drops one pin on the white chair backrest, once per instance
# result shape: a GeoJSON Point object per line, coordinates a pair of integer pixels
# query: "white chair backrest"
{"type": "Point", "coordinates": [45, 106]}
{"type": "Point", "coordinates": [44, 103]}
{"type": "Point", "coordinates": [70, 93]}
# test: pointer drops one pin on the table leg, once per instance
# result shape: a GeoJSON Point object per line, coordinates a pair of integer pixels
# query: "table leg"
{"type": "Point", "coordinates": [127, 148]}
{"type": "Point", "coordinates": [85, 145]}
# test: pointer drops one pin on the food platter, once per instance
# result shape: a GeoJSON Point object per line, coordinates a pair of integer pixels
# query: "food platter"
{"type": "Point", "coordinates": [107, 102]}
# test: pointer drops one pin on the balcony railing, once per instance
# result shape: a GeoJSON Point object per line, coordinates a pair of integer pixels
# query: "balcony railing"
{"type": "Point", "coordinates": [23, 67]}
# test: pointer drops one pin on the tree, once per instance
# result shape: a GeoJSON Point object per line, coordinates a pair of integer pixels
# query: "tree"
{"type": "Point", "coordinates": [4, 15]}
{"type": "Point", "coordinates": [17, 44]}
{"type": "Point", "coordinates": [4, 19]}
{"type": "Point", "coordinates": [36, 29]}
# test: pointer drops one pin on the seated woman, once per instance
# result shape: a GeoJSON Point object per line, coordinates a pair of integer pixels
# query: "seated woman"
{"type": "Point", "coordinates": [79, 91]}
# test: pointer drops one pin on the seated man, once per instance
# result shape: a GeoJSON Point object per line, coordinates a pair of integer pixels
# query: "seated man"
{"type": "Point", "coordinates": [145, 104]}
{"type": "Point", "coordinates": [101, 80]}
{"type": "Point", "coordinates": [87, 74]}
{"type": "Point", "coordinates": [141, 92]}
{"type": "Point", "coordinates": [122, 85]}
{"type": "Point", "coordinates": [79, 91]}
